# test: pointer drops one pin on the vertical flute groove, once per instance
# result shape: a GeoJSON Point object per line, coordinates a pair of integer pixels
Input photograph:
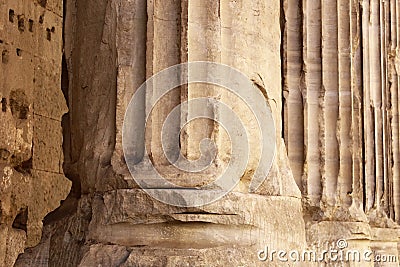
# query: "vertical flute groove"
{"type": "Point", "coordinates": [396, 109]}
{"type": "Point", "coordinates": [345, 103]}
{"type": "Point", "coordinates": [376, 87]}
{"type": "Point", "coordinates": [313, 62]}
{"type": "Point", "coordinates": [386, 130]}
{"type": "Point", "coordinates": [295, 128]}
{"type": "Point", "coordinates": [356, 131]}
{"type": "Point", "coordinates": [368, 111]}
{"type": "Point", "coordinates": [330, 101]}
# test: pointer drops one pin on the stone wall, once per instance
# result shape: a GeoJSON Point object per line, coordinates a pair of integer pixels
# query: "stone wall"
{"type": "Point", "coordinates": [32, 182]}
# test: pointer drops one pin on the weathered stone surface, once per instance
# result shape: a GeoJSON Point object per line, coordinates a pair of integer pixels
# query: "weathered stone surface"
{"type": "Point", "coordinates": [100, 255]}
{"type": "Point", "coordinates": [32, 183]}
{"type": "Point", "coordinates": [63, 236]}
{"type": "Point", "coordinates": [47, 151]}
{"type": "Point", "coordinates": [327, 70]}
{"type": "Point", "coordinates": [132, 218]}
{"type": "Point", "coordinates": [49, 101]}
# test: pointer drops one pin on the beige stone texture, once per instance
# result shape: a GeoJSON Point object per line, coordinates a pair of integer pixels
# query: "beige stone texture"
{"type": "Point", "coordinates": [32, 182]}
{"type": "Point", "coordinates": [327, 70]}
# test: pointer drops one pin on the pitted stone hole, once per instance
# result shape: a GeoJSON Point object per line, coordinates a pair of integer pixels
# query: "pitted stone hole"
{"type": "Point", "coordinates": [19, 105]}
{"type": "Point", "coordinates": [4, 104]}
{"type": "Point", "coordinates": [1, 41]}
{"type": "Point", "coordinates": [23, 115]}
{"type": "Point", "coordinates": [20, 165]}
{"type": "Point", "coordinates": [11, 15]}
{"type": "Point", "coordinates": [19, 52]}
{"type": "Point", "coordinates": [42, 3]}
{"type": "Point", "coordinates": [4, 56]}
{"type": "Point", "coordinates": [41, 19]}
{"type": "Point", "coordinates": [30, 23]}
{"type": "Point", "coordinates": [21, 23]}
{"type": "Point", "coordinates": [48, 34]}
{"type": "Point", "coordinates": [21, 220]}
{"type": "Point", "coordinates": [4, 155]}
{"type": "Point", "coordinates": [25, 167]}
